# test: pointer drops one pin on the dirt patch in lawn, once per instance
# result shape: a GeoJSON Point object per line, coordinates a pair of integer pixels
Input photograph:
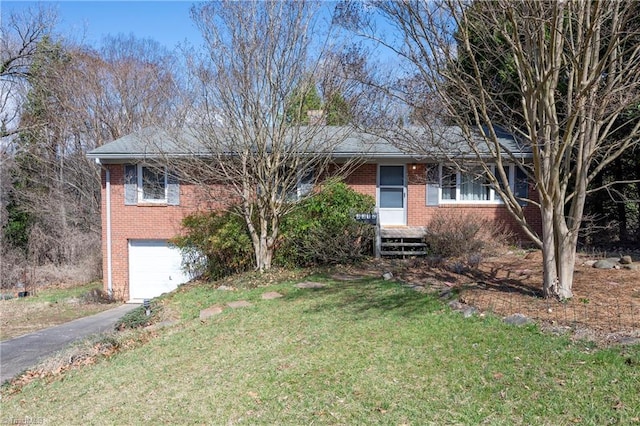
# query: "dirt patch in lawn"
{"type": "Point", "coordinates": [605, 307]}
{"type": "Point", "coordinates": [19, 316]}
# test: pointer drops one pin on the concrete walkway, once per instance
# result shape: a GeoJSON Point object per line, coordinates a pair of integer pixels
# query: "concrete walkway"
{"type": "Point", "coordinates": [20, 353]}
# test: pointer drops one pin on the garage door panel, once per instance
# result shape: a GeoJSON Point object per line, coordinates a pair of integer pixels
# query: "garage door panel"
{"type": "Point", "coordinates": [154, 268]}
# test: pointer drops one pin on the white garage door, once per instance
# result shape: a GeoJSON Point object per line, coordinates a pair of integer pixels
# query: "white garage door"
{"type": "Point", "coordinates": [154, 268]}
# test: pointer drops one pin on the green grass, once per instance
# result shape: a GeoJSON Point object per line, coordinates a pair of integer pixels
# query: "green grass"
{"type": "Point", "coordinates": [56, 294]}
{"type": "Point", "coordinates": [48, 307]}
{"type": "Point", "coordinates": [365, 352]}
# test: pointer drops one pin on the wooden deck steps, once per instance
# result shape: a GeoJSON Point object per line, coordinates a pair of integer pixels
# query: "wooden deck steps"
{"type": "Point", "coordinates": [402, 242]}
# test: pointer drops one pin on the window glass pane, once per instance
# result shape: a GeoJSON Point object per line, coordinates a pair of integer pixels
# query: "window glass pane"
{"type": "Point", "coordinates": [521, 187]}
{"type": "Point", "coordinates": [392, 175]}
{"type": "Point", "coordinates": [153, 184]}
{"type": "Point", "coordinates": [474, 187]}
{"type": "Point", "coordinates": [507, 170]}
{"type": "Point", "coordinates": [391, 198]}
{"type": "Point", "coordinates": [448, 183]}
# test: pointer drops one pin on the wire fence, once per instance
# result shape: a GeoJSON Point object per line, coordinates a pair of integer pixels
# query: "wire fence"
{"type": "Point", "coordinates": [612, 317]}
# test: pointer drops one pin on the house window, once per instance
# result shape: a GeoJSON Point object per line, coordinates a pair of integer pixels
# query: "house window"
{"type": "Point", "coordinates": [472, 186]}
{"type": "Point", "coordinates": [146, 184]}
{"type": "Point", "coordinates": [152, 184]}
{"type": "Point", "coordinates": [304, 182]}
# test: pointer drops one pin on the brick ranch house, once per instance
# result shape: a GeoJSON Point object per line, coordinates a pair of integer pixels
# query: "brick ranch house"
{"type": "Point", "coordinates": [138, 220]}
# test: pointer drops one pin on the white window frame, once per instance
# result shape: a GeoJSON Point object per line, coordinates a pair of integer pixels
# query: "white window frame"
{"type": "Point", "coordinates": [494, 198]}
{"type": "Point", "coordinates": [141, 198]}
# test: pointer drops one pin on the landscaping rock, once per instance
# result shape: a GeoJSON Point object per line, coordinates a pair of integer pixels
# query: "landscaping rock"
{"type": "Point", "coordinates": [517, 319]}
{"type": "Point", "coordinates": [456, 305]}
{"type": "Point", "coordinates": [239, 304]}
{"type": "Point", "coordinates": [467, 311]}
{"type": "Point", "coordinates": [210, 311]}
{"type": "Point", "coordinates": [226, 288]}
{"type": "Point", "coordinates": [387, 276]}
{"type": "Point", "coordinates": [604, 264]}
{"type": "Point", "coordinates": [589, 263]}
{"type": "Point", "coordinates": [445, 293]}
{"type": "Point", "coordinates": [626, 260]}
{"type": "Point", "coordinates": [271, 295]}
{"type": "Point", "coordinates": [310, 284]}
{"type": "Point", "coordinates": [632, 267]}
{"type": "Point", "coordinates": [470, 311]}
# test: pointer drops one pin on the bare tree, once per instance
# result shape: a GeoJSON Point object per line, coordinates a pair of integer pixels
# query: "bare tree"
{"type": "Point", "coordinates": [258, 55]}
{"type": "Point", "coordinates": [560, 76]}
{"type": "Point", "coordinates": [78, 100]}
{"type": "Point", "coordinates": [20, 36]}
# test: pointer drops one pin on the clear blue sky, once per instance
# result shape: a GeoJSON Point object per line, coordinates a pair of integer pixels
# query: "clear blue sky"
{"type": "Point", "coordinates": [167, 22]}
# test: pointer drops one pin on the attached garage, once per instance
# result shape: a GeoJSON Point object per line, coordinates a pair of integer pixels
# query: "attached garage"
{"type": "Point", "coordinates": [154, 268]}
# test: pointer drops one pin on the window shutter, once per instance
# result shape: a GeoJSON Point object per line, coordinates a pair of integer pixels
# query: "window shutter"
{"type": "Point", "coordinates": [130, 184]}
{"type": "Point", "coordinates": [433, 184]}
{"type": "Point", "coordinates": [173, 190]}
{"type": "Point", "coordinates": [521, 187]}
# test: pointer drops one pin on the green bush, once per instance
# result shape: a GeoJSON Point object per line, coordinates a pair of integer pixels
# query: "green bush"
{"type": "Point", "coordinates": [322, 229]}
{"type": "Point", "coordinates": [215, 244]}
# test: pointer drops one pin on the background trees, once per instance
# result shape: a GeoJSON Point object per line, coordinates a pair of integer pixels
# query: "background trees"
{"type": "Point", "coordinates": [72, 99]}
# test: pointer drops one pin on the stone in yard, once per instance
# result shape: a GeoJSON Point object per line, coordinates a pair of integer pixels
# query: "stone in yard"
{"type": "Point", "coordinates": [604, 264]}
{"type": "Point", "coordinates": [239, 304]}
{"type": "Point", "coordinates": [225, 288]}
{"type": "Point", "coordinates": [456, 305]}
{"type": "Point", "coordinates": [517, 319]}
{"type": "Point", "coordinates": [445, 293]}
{"type": "Point", "coordinates": [210, 311]}
{"type": "Point", "coordinates": [387, 276]}
{"type": "Point", "coordinates": [271, 295]}
{"type": "Point", "coordinates": [589, 262]}
{"type": "Point", "coordinates": [470, 311]}
{"type": "Point", "coordinates": [632, 267]}
{"type": "Point", "coordinates": [310, 284]}
{"type": "Point", "coordinates": [626, 260]}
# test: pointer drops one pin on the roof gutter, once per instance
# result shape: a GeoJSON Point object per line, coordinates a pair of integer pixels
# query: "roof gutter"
{"type": "Point", "coordinates": [108, 231]}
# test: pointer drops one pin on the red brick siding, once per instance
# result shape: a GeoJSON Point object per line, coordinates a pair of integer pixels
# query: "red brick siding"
{"type": "Point", "coordinates": [364, 180]}
{"type": "Point", "coordinates": [149, 221]}
{"type": "Point", "coordinates": [164, 222]}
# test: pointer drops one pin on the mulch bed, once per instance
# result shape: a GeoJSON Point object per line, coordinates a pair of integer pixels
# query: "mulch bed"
{"type": "Point", "coordinates": [605, 307]}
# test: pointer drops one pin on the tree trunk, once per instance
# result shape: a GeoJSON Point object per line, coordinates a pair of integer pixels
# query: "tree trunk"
{"type": "Point", "coordinates": [621, 204]}
{"type": "Point", "coordinates": [565, 263]}
{"type": "Point", "coordinates": [264, 254]}
{"type": "Point", "coordinates": [549, 266]}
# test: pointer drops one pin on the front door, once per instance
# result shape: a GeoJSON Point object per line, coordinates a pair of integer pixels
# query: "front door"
{"type": "Point", "coordinates": [392, 195]}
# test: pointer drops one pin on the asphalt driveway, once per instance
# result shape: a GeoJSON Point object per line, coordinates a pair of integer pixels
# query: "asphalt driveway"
{"type": "Point", "coordinates": [20, 353]}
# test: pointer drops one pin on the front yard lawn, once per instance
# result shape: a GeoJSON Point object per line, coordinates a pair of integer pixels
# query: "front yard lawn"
{"type": "Point", "coordinates": [48, 307]}
{"type": "Point", "coordinates": [353, 352]}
